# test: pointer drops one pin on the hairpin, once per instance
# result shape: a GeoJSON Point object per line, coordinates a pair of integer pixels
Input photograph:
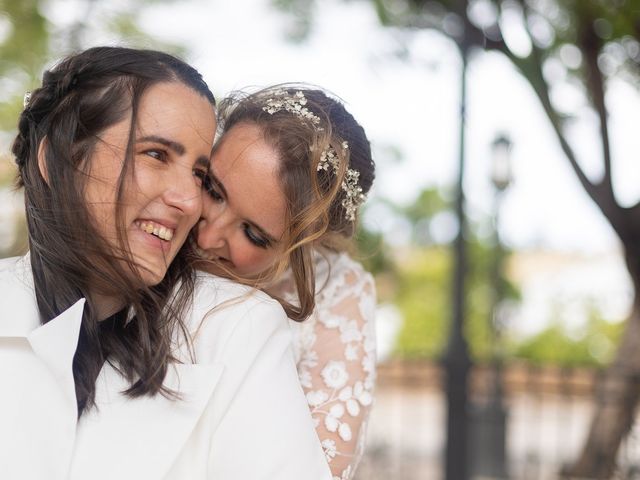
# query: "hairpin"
{"type": "Point", "coordinates": [329, 158]}
{"type": "Point", "coordinates": [294, 104]}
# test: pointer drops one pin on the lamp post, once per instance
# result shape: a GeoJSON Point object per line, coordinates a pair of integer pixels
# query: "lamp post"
{"type": "Point", "coordinates": [456, 359]}
{"type": "Point", "coordinates": [490, 418]}
{"type": "Point", "coordinates": [501, 174]}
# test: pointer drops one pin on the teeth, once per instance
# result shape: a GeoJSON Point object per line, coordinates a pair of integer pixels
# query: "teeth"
{"type": "Point", "coordinates": [165, 233]}
{"type": "Point", "coordinates": [159, 231]}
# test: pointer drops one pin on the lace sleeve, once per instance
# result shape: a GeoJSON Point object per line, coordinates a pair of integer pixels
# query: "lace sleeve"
{"type": "Point", "coordinates": [336, 366]}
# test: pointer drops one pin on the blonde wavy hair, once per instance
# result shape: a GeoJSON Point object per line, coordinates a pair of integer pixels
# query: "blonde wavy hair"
{"type": "Point", "coordinates": [315, 216]}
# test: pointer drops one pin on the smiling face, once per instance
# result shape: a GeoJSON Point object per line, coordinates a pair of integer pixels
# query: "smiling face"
{"type": "Point", "coordinates": [161, 196]}
{"type": "Point", "coordinates": [244, 205]}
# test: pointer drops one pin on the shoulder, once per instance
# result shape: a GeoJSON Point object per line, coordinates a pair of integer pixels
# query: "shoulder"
{"type": "Point", "coordinates": [225, 313]}
{"type": "Point", "coordinates": [10, 267]}
{"type": "Point", "coordinates": [348, 265]}
{"type": "Point", "coordinates": [15, 276]}
{"type": "Point", "coordinates": [339, 273]}
{"type": "Point", "coordinates": [213, 293]}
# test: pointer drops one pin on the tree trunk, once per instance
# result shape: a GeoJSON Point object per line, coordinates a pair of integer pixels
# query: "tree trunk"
{"type": "Point", "coordinates": [616, 398]}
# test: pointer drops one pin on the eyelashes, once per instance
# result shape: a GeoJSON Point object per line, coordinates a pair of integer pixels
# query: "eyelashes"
{"type": "Point", "coordinates": [255, 239]}
{"type": "Point", "coordinates": [201, 175]}
{"type": "Point", "coordinates": [162, 156]}
{"type": "Point", "coordinates": [210, 189]}
{"type": "Point", "coordinates": [158, 154]}
{"type": "Point", "coordinates": [212, 192]}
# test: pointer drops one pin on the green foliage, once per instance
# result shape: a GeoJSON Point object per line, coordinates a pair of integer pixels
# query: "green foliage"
{"type": "Point", "coordinates": [423, 295]}
{"type": "Point", "coordinates": [420, 276]}
{"type": "Point", "coordinates": [593, 347]}
{"type": "Point", "coordinates": [300, 13]}
{"type": "Point", "coordinates": [372, 252]}
{"type": "Point", "coordinates": [32, 41]}
{"type": "Point", "coordinates": [423, 298]}
{"type": "Point", "coordinates": [22, 54]}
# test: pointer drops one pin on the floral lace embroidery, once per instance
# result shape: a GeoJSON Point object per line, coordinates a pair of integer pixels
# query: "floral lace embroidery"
{"type": "Point", "coordinates": [335, 354]}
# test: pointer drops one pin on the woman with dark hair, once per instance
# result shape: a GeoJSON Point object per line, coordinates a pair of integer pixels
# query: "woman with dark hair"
{"type": "Point", "coordinates": [287, 176]}
{"type": "Point", "coordinates": [117, 359]}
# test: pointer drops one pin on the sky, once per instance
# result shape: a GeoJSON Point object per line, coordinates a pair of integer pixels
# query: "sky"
{"type": "Point", "coordinates": [411, 106]}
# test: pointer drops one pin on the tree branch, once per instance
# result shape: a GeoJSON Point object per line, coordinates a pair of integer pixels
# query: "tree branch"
{"type": "Point", "coordinates": [531, 69]}
{"type": "Point", "coordinates": [590, 46]}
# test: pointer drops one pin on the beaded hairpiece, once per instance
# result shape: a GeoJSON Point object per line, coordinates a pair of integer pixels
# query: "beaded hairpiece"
{"type": "Point", "coordinates": [26, 99]}
{"type": "Point", "coordinates": [295, 104]}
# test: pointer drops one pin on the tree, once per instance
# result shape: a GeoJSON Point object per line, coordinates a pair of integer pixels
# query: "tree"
{"type": "Point", "coordinates": [603, 37]}
{"type": "Point", "coordinates": [416, 278]}
{"type": "Point", "coordinates": [29, 40]}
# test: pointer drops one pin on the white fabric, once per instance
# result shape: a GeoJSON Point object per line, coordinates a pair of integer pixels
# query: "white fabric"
{"type": "Point", "coordinates": [335, 356]}
{"type": "Point", "coordinates": [242, 414]}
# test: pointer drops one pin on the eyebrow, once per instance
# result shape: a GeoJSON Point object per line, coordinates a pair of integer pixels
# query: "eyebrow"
{"type": "Point", "coordinates": [220, 186]}
{"type": "Point", "coordinates": [177, 147]}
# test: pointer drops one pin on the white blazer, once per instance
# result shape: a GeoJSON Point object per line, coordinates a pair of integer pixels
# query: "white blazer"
{"type": "Point", "coordinates": [242, 416]}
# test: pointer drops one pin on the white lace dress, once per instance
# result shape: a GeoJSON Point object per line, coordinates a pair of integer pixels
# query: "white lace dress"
{"type": "Point", "coordinates": [335, 355]}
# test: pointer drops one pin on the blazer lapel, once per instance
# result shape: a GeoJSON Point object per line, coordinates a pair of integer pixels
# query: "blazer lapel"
{"type": "Point", "coordinates": [140, 438]}
{"type": "Point", "coordinates": [55, 343]}
{"type": "Point", "coordinates": [45, 419]}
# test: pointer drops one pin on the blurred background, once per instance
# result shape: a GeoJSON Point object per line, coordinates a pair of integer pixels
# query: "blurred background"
{"type": "Point", "coordinates": [504, 227]}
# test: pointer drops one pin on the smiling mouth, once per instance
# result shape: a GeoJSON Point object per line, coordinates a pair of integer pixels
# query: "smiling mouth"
{"type": "Point", "coordinates": [156, 229]}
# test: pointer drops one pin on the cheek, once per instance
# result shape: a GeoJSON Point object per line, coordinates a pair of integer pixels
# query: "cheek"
{"type": "Point", "coordinates": [145, 180]}
{"type": "Point", "coordinates": [100, 196]}
{"type": "Point", "coordinates": [249, 260]}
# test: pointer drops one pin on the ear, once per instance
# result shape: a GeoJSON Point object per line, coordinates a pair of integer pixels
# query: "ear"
{"type": "Point", "coordinates": [42, 162]}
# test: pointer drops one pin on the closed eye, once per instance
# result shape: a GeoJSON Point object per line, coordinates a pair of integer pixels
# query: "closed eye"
{"type": "Point", "coordinates": [255, 238]}
{"type": "Point", "coordinates": [211, 189]}
{"type": "Point", "coordinates": [202, 176]}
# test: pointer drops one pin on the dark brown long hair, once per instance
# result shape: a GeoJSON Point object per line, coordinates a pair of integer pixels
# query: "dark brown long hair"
{"type": "Point", "coordinates": [315, 215]}
{"type": "Point", "coordinates": [80, 97]}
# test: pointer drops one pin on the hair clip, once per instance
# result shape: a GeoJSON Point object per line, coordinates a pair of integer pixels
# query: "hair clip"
{"type": "Point", "coordinates": [294, 104]}
{"type": "Point", "coordinates": [26, 99]}
{"type": "Point", "coordinates": [329, 159]}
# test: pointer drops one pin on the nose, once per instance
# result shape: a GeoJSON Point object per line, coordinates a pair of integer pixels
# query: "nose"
{"type": "Point", "coordinates": [184, 194]}
{"type": "Point", "coordinates": [213, 227]}
{"type": "Point", "coordinates": [210, 235]}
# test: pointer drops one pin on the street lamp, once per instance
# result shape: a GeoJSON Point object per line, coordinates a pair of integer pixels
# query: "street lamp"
{"type": "Point", "coordinates": [490, 419]}
{"type": "Point", "coordinates": [456, 360]}
{"type": "Point", "coordinates": [501, 174]}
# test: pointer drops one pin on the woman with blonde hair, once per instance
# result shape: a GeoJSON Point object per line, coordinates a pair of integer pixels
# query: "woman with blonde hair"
{"type": "Point", "coordinates": [288, 173]}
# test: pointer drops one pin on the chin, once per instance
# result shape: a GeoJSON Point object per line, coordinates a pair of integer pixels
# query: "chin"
{"type": "Point", "coordinates": [152, 280]}
{"type": "Point", "coordinates": [151, 274]}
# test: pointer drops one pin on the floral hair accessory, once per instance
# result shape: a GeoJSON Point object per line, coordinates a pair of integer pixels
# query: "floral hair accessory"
{"type": "Point", "coordinates": [26, 99]}
{"type": "Point", "coordinates": [354, 196]}
{"type": "Point", "coordinates": [291, 103]}
{"type": "Point", "coordinates": [329, 159]}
